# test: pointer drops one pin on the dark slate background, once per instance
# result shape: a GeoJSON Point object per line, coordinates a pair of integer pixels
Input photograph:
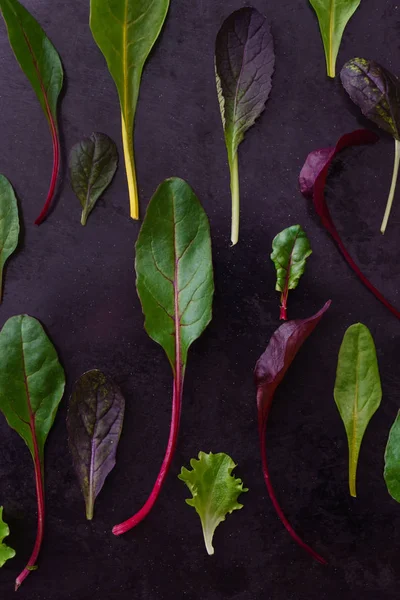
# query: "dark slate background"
{"type": "Point", "coordinates": [80, 283]}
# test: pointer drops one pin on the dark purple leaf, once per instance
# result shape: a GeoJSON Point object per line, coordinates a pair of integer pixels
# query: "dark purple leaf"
{"type": "Point", "coordinates": [269, 372]}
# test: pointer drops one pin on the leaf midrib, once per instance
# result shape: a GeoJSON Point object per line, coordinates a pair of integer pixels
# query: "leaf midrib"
{"type": "Point", "coordinates": [331, 29]}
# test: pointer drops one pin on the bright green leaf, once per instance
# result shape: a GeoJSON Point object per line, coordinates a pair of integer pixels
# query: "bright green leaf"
{"type": "Point", "coordinates": [358, 390]}
{"type": "Point", "coordinates": [214, 489]}
{"type": "Point", "coordinates": [9, 224]}
{"type": "Point", "coordinates": [392, 460]}
{"type": "Point", "coordinates": [333, 16]}
{"type": "Point", "coordinates": [5, 551]}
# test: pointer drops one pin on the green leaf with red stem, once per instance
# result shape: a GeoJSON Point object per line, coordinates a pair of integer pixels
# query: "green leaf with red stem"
{"type": "Point", "coordinates": [31, 387]}
{"type": "Point", "coordinates": [175, 286]}
{"type": "Point", "coordinates": [270, 370]}
{"type": "Point", "coordinates": [41, 64]}
{"type": "Point", "coordinates": [290, 250]}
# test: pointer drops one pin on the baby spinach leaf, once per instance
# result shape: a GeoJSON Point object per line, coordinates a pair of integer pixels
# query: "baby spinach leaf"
{"type": "Point", "coordinates": [174, 280]}
{"type": "Point", "coordinates": [290, 250]}
{"type": "Point", "coordinates": [377, 92]}
{"type": "Point", "coordinates": [31, 387]}
{"type": "Point", "coordinates": [9, 224]}
{"type": "Point", "coordinates": [41, 64]}
{"type": "Point", "coordinates": [5, 551]}
{"type": "Point", "coordinates": [333, 16]}
{"type": "Point", "coordinates": [125, 31]}
{"type": "Point", "coordinates": [358, 390]}
{"type": "Point", "coordinates": [94, 423]}
{"type": "Point", "coordinates": [392, 460]}
{"type": "Point", "coordinates": [312, 181]}
{"type": "Point", "coordinates": [269, 372]}
{"type": "Point", "coordinates": [244, 64]}
{"type": "Point", "coordinates": [92, 165]}
{"type": "Point", "coordinates": [214, 489]}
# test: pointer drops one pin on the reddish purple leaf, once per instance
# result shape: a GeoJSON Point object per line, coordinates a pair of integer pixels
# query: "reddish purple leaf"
{"type": "Point", "coordinates": [312, 182]}
{"type": "Point", "coordinates": [269, 372]}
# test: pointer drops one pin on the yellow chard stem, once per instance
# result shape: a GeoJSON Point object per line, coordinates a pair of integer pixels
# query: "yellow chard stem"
{"type": "Point", "coordinates": [130, 170]}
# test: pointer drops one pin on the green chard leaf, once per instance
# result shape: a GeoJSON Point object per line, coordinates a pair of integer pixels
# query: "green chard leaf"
{"type": "Point", "coordinates": [290, 250]}
{"type": "Point", "coordinates": [125, 31]}
{"type": "Point", "coordinates": [41, 64]}
{"type": "Point", "coordinates": [358, 391]}
{"type": "Point", "coordinates": [333, 16]}
{"type": "Point", "coordinates": [9, 224]}
{"type": "Point", "coordinates": [392, 460]}
{"type": "Point", "coordinates": [95, 416]}
{"type": "Point", "coordinates": [376, 91]}
{"type": "Point", "coordinates": [31, 387]}
{"type": "Point", "coordinates": [92, 165]}
{"type": "Point", "coordinates": [244, 64]}
{"type": "Point", "coordinates": [214, 489]}
{"type": "Point", "coordinates": [5, 551]}
{"type": "Point", "coordinates": [174, 280]}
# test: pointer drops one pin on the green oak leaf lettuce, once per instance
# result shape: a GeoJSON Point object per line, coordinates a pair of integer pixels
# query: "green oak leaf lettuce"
{"type": "Point", "coordinates": [174, 280]}
{"type": "Point", "coordinates": [244, 64]}
{"type": "Point", "coordinates": [125, 31]}
{"type": "Point", "coordinates": [5, 551]}
{"type": "Point", "coordinates": [333, 16]}
{"type": "Point", "coordinates": [31, 387]}
{"type": "Point", "coordinates": [9, 224]}
{"type": "Point", "coordinates": [358, 391]}
{"type": "Point", "coordinates": [214, 489]}
{"type": "Point", "coordinates": [290, 250]}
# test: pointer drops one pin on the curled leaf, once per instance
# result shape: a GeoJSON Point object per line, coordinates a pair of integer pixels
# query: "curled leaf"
{"type": "Point", "coordinates": [5, 551]}
{"type": "Point", "coordinates": [92, 165]}
{"type": "Point", "coordinates": [291, 249]}
{"type": "Point", "coordinates": [312, 181]}
{"type": "Point", "coordinates": [358, 391]}
{"type": "Point", "coordinates": [214, 489]}
{"type": "Point", "coordinates": [94, 423]}
{"type": "Point", "coordinates": [9, 224]}
{"type": "Point", "coordinates": [269, 373]}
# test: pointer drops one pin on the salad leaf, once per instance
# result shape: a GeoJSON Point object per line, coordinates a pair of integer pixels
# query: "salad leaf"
{"type": "Point", "coordinates": [358, 391]}
{"type": "Point", "coordinates": [92, 165]}
{"type": "Point", "coordinates": [333, 16]}
{"type": "Point", "coordinates": [5, 551]}
{"type": "Point", "coordinates": [269, 372]}
{"type": "Point", "coordinates": [290, 250]}
{"type": "Point", "coordinates": [94, 423]}
{"type": "Point", "coordinates": [41, 64]}
{"type": "Point", "coordinates": [392, 460]}
{"type": "Point", "coordinates": [377, 92]}
{"type": "Point", "coordinates": [125, 31]}
{"type": "Point", "coordinates": [244, 64]}
{"type": "Point", "coordinates": [9, 225]}
{"type": "Point", "coordinates": [174, 280]}
{"type": "Point", "coordinates": [214, 491]}
{"type": "Point", "coordinates": [313, 178]}
{"type": "Point", "coordinates": [31, 387]}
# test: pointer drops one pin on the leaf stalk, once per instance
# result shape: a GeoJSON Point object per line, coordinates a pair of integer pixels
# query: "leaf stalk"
{"type": "Point", "coordinates": [392, 187]}
{"type": "Point", "coordinates": [235, 192]}
{"type": "Point", "coordinates": [130, 170]}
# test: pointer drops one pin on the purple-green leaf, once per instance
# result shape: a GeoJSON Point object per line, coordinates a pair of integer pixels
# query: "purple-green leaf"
{"type": "Point", "coordinates": [95, 417]}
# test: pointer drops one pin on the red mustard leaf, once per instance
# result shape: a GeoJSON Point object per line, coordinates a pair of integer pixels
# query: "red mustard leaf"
{"type": "Point", "coordinates": [269, 372]}
{"type": "Point", "coordinates": [312, 182]}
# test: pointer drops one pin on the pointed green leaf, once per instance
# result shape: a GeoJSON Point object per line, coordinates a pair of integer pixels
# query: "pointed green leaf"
{"type": "Point", "coordinates": [358, 391]}
{"type": "Point", "coordinates": [126, 31]}
{"type": "Point", "coordinates": [5, 551]}
{"type": "Point", "coordinates": [9, 224]}
{"type": "Point", "coordinates": [92, 165]}
{"type": "Point", "coordinates": [290, 250]}
{"type": "Point", "coordinates": [41, 64]}
{"type": "Point", "coordinates": [392, 460]}
{"type": "Point", "coordinates": [333, 16]}
{"type": "Point", "coordinates": [214, 489]}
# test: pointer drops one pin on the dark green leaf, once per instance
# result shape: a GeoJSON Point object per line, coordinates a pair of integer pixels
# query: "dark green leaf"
{"type": "Point", "coordinates": [291, 249]}
{"type": "Point", "coordinates": [41, 64]}
{"type": "Point", "coordinates": [358, 391]}
{"type": "Point", "coordinates": [92, 165]}
{"type": "Point", "coordinates": [125, 31]}
{"type": "Point", "coordinates": [5, 551]}
{"type": "Point", "coordinates": [9, 224]}
{"type": "Point", "coordinates": [244, 64]}
{"type": "Point", "coordinates": [392, 460]}
{"type": "Point", "coordinates": [94, 423]}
